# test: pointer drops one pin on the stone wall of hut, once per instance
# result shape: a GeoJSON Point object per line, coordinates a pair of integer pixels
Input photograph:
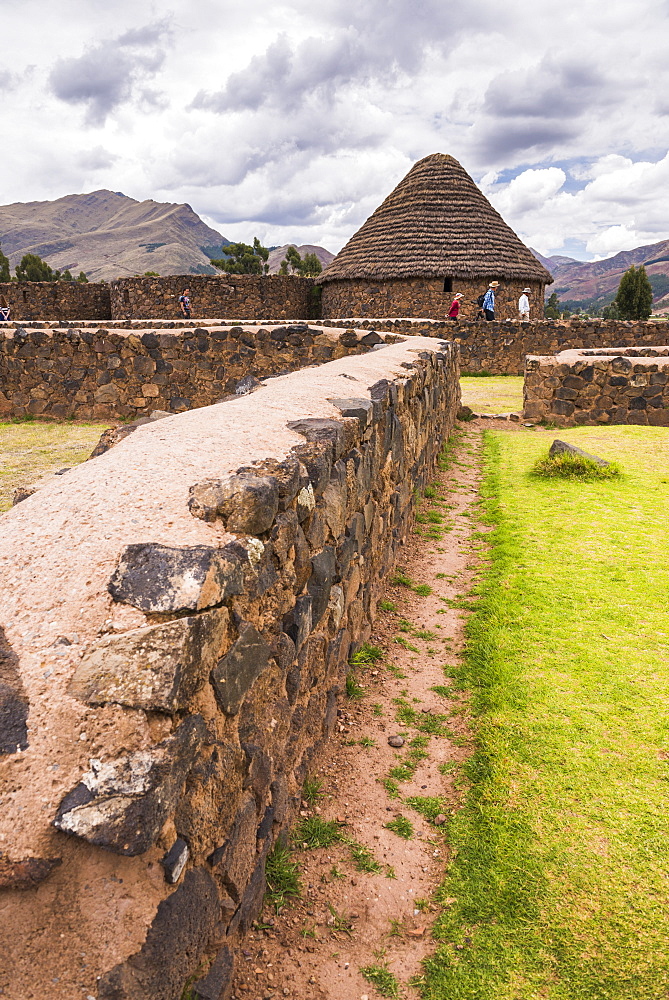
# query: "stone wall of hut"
{"type": "Point", "coordinates": [424, 298]}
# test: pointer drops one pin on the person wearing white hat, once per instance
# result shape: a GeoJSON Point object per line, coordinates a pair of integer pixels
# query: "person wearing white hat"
{"type": "Point", "coordinates": [524, 305]}
{"type": "Point", "coordinates": [489, 300]}
{"type": "Point", "coordinates": [455, 306]}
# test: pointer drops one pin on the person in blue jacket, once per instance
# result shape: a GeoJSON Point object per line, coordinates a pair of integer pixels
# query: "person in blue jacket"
{"type": "Point", "coordinates": [489, 300]}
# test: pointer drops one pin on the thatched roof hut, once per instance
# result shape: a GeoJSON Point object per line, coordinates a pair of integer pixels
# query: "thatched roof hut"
{"type": "Point", "coordinates": [435, 223]}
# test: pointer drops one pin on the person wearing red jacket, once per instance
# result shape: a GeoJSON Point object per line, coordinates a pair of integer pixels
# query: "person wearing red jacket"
{"type": "Point", "coordinates": [455, 306]}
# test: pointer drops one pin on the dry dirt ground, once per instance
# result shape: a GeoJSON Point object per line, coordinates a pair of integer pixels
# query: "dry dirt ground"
{"type": "Point", "coordinates": [346, 919]}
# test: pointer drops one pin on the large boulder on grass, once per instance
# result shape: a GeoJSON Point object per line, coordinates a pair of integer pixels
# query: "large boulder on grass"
{"type": "Point", "coordinates": [563, 448]}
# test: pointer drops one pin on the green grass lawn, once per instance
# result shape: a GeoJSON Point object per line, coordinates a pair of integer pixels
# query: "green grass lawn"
{"type": "Point", "coordinates": [493, 393]}
{"type": "Point", "coordinates": [30, 450]}
{"type": "Point", "coordinates": [558, 887]}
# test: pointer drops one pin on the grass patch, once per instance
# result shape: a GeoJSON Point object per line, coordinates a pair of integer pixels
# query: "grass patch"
{"type": "Point", "coordinates": [314, 832]}
{"type": "Point", "coordinates": [363, 859]}
{"type": "Point", "coordinates": [557, 884]}
{"type": "Point", "coordinates": [32, 449]}
{"type": "Point", "coordinates": [366, 655]}
{"type": "Point", "coordinates": [429, 806]}
{"type": "Point", "coordinates": [354, 691]}
{"type": "Point", "coordinates": [312, 790]}
{"type": "Point", "coordinates": [486, 393]}
{"type": "Point", "coordinates": [386, 605]}
{"type": "Point", "coordinates": [402, 826]}
{"type": "Point", "coordinates": [401, 579]}
{"type": "Point", "coordinates": [382, 979]}
{"type": "Point", "coordinates": [283, 877]}
{"type": "Point", "coordinates": [568, 466]}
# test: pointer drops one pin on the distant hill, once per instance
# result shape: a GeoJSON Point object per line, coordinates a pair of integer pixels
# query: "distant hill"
{"type": "Point", "coordinates": [108, 235]}
{"type": "Point", "coordinates": [595, 283]}
{"type": "Point", "coordinates": [276, 256]}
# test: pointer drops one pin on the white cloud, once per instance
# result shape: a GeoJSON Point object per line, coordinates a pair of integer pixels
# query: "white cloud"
{"type": "Point", "coordinates": [295, 120]}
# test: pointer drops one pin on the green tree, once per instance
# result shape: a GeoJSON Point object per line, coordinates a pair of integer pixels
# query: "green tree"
{"type": "Point", "coordinates": [244, 259]}
{"type": "Point", "coordinates": [82, 278]}
{"type": "Point", "coordinates": [311, 265]}
{"type": "Point", "coordinates": [66, 275]}
{"type": "Point", "coordinates": [552, 308]}
{"type": "Point", "coordinates": [4, 267]}
{"type": "Point", "coordinates": [33, 268]}
{"type": "Point", "coordinates": [611, 311]}
{"type": "Point", "coordinates": [635, 294]}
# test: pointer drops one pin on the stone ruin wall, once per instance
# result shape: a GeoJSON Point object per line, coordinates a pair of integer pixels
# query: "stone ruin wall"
{"type": "Point", "coordinates": [229, 296]}
{"type": "Point", "coordinates": [423, 298]}
{"type": "Point", "coordinates": [232, 296]}
{"type": "Point", "coordinates": [102, 374]}
{"type": "Point", "coordinates": [605, 386]}
{"type": "Point", "coordinates": [56, 300]}
{"type": "Point", "coordinates": [501, 348]}
{"type": "Point", "coordinates": [176, 620]}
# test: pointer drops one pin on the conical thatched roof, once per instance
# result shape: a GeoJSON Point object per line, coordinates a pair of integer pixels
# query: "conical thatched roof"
{"type": "Point", "coordinates": [436, 223]}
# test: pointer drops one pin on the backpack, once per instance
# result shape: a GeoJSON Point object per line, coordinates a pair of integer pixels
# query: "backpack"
{"type": "Point", "coordinates": [480, 300]}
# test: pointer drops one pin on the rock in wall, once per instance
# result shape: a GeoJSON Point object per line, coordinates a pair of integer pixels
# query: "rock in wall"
{"type": "Point", "coordinates": [178, 616]}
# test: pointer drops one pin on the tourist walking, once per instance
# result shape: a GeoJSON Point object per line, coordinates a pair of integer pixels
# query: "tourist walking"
{"type": "Point", "coordinates": [5, 311]}
{"type": "Point", "coordinates": [184, 302]}
{"type": "Point", "coordinates": [489, 300]}
{"type": "Point", "coordinates": [524, 305]}
{"type": "Point", "coordinates": [455, 306]}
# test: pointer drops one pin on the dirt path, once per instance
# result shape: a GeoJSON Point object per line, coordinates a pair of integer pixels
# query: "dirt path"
{"type": "Point", "coordinates": [348, 919]}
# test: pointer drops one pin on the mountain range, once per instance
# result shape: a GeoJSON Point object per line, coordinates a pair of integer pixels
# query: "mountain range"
{"type": "Point", "coordinates": [591, 284]}
{"type": "Point", "coordinates": [108, 235]}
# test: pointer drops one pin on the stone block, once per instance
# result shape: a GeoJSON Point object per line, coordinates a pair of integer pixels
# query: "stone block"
{"type": "Point", "coordinates": [175, 943]}
{"type": "Point", "coordinates": [13, 701]}
{"type": "Point", "coordinates": [157, 668]}
{"type": "Point", "coordinates": [160, 578]}
{"type": "Point", "coordinates": [323, 575]}
{"type": "Point", "coordinates": [26, 873]}
{"type": "Point", "coordinates": [245, 504]}
{"type": "Point", "coordinates": [564, 448]}
{"type": "Point", "coordinates": [217, 984]}
{"type": "Point", "coordinates": [122, 804]}
{"type": "Point", "coordinates": [233, 862]}
{"type": "Point", "coordinates": [299, 622]}
{"type": "Point", "coordinates": [234, 673]}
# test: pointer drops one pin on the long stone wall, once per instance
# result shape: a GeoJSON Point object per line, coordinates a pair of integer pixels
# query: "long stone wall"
{"type": "Point", "coordinates": [57, 300]}
{"type": "Point", "coordinates": [605, 386]}
{"type": "Point", "coordinates": [176, 618]}
{"type": "Point", "coordinates": [100, 374]}
{"type": "Point", "coordinates": [424, 297]}
{"type": "Point", "coordinates": [233, 296]}
{"type": "Point", "coordinates": [501, 348]}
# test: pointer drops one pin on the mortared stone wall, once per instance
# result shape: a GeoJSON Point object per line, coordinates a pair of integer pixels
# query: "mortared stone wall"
{"type": "Point", "coordinates": [601, 386]}
{"type": "Point", "coordinates": [176, 620]}
{"type": "Point", "coordinates": [426, 298]}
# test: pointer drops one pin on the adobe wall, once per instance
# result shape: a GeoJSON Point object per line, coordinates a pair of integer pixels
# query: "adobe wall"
{"type": "Point", "coordinates": [98, 374]}
{"type": "Point", "coordinates": [176, 618]}
{"type": "Point", "coordinates": [423, 297]}
{"type": "Point", "coordinates": [233, 296]}
{"type": "Point", "coordinates": [57, 300]}
{"type": "Point", "coordinates": [605, 386]}
{"type": "Point", "coordinates": [501, 348]}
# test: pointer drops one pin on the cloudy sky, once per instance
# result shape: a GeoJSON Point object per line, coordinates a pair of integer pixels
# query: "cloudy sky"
{"type": "Point", "coordinates": [293, 119]}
